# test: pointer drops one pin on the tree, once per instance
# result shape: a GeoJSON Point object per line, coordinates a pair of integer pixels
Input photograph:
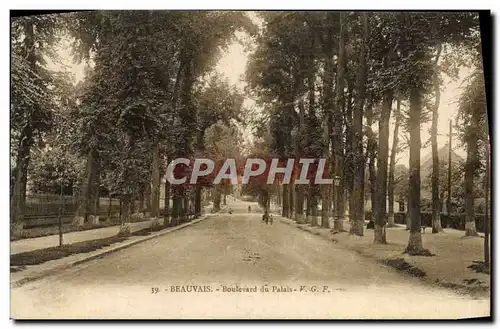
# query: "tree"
{"type": "Point", "coordinates": [392, 164]}
{"type": "Point", "coordinates": [160, 64]}
{"type": "Point", "coordinates": [384, 58]}
{"type": "Point", "coordinates": [274, 75]}
{"type": "Point", "coordinates": [424, 33]}
{"type": "Point", "coordinates": [32, 101]}
{"type": "Point", "coordinates": [217, 103]}
{"type": "Point", "coordinates": [337, 141]}
{"type": "Point", "coordinates": [359, 177]}
{"type": "Point", "coordinates": [472, 112]}
{"type": "Point", "coordinates": [486, 210]}
{"type": "Point", "coordinates": [436, 202]}
{"type": "Point", "coordinates": [222, 142]}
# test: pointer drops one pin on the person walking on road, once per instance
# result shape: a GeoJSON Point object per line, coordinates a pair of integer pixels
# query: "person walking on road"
{"type": "Point", "coordinates": [267, 218]}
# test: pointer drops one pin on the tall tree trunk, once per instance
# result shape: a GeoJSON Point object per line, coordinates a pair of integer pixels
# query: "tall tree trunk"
{"type": "Point", "coordinates": [299, 189]}
{"type": "Point", "coordinates": [110, 204]}
{"type": "Point", "coordinates": [147, 196]}
{"type": "Point", "coordinates": [308, 200]}
{"type": "Point", "coordinates": [436, 201]}
{"type": "Point", "coordinates": [487, 206]}
{"type": "Point", "coordinates": [177, 204]}
{"type": "Point", "coordinates": [185, 205]}
{"type": "Point", "coordinates": [197, 200]}
{"type": "Point", "coordinates": [372, 158]}
{"type": "Point", "coordinates": [175, 189]}
{"type": "Point", "coordinates": [348, 170]}
{"type": "Point", "coordinates": [166, 210]}
{"type": "Point", "coordinates": [383, 155]}
{"type": "Point", "coordinates": [291, 198]}
{"type": "Point", "coordinates": [141, 200]}
{"type": "Point", "coordinates": [18, 196]}
{"type": "Point", "coordinates": [326, 189]}
{"type": "Point", "coordinates": [200, 146]}
{"type": "Point", "coordinates": [285, 207]}
{"type": "Point", "coordinates": [124, 215]}
{"type": "Point", "coordinates": [299, 204]}
{"type": "Point", "coordinates": [185, 122]}
{"type": "Point", "coordinates": [24, 188]}
{"type": "Point", "coordinates": [348, 159]}
{"type": "Point", "coordinates": [127, 197]}
{"type": "Point", "coordinates": [357, 197]}
{"type": "Point", "coordinates": [217, 198]}
{"type": "Point", "coordinates": [338, 143]}
{"type": "Point", "coordinates": [325, 206]}
{"type": "Point", "coordinates": [314, 205]}
{"type": "Point", "coordinates": [88, 184]}
{"type": "Point", "coordinates": [96, 204]}
{"type": "Point", "coordinates": [133, 205]}
{"type": "Point", "coordinates": [415, 246]}
{"type": "Point", "coordinates": [120, 206]}
{"type": "Point", "coordinates": [155, 182]}
{"type": "Point", "coordinates": [314, 208]}
{"type": "Point", "coordinates": [470, 168]}
{"type": "Point", "coordinates": [329, 109]}
{"type": "Point", "coordinates": [392, 164]}
{"type": "Point", "coordinates": [278, 197]}
{"type": "Point", "coordinates": [448, 194]}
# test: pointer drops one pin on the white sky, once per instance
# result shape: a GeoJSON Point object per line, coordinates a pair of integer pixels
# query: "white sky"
{"type": "Point", "coordinates": [233, 63]}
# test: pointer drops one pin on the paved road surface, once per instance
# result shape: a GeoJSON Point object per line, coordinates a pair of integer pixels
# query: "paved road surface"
{"type": "Point", "coordinates": [236, 250]}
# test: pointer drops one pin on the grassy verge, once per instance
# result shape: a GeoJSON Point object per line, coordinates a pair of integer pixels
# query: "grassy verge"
{"type": "Point", "coordinates": [38, 232]}
{"type": "Point", "coordinates": [40, 256]}
{"type": "Point", "coordinates": [402, 266]}
{"type": "Point", "coordinates": [149, 230]}
{"type": "Point", "coordinates": [35, 257]}
{"type": "Point", "coordinates": [18, 262]}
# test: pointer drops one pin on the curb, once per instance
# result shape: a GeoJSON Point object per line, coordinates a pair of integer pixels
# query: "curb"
{"type": "Point", "coordinates": [48, 272]}
{"type": "Point", "coordinates": [132, 243]}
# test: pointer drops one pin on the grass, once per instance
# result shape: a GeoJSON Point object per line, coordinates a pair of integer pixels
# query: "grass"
{"type": "Point", "coordinates": [14, 269]}
{"type": "Point", "coordinates": [35, 257]}
{"type": "Point", "coordinates": [480, 267]}
{"type": "Point", "coordinates": [37, 232]}
{"type": "Point", "coordinates": [402, 266]}
{"type": "Point", "coordinates": [18, 262]}
{"type": "Point", "coordinates": [40, 256]}
{"type": "Point", "coordinates": [148, 230]}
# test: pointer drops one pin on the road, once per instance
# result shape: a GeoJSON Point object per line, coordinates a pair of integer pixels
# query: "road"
{"type": "Point", "coordinates": [151, 280]}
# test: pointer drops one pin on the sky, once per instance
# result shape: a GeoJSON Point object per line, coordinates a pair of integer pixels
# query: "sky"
{"type": "Point", "coordinates": [233, 64]}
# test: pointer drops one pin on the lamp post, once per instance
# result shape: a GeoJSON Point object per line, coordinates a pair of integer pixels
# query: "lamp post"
{"type": "Point", "coordinates": [60, 212]}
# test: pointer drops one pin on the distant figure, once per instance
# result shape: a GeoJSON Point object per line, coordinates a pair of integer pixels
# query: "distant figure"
{"type": "Point", "coordinates": [249, 209]}
{"type": "Point", "coordinates": [370, 225]}
{"type": "Point", "coordinates": [265, 217]}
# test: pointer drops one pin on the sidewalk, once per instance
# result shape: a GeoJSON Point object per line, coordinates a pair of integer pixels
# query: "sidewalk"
{"type": "Point", "coordinates": [43, 242]}
{"type": "Point", "coordinates": [36, 272]}
{"type": "Point", "coordinates": [30, 244]}
{"type": "Point", "coordinates": [448, 268]}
